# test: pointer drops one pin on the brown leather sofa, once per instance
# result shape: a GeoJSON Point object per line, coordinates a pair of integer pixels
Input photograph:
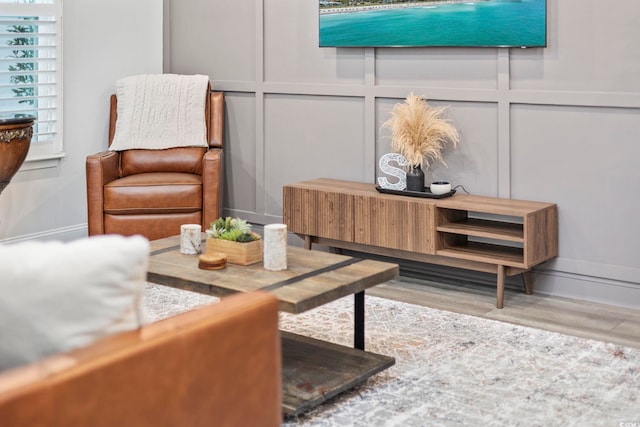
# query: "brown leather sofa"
{"type": "Point", "coordinates": [216, 365]}
{"type": "Point", "coordinates": [153, 192]}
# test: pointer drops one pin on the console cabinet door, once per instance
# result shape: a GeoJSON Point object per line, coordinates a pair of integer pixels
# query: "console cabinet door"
{"type": "Point", "coordinates": [319, 213]}
{"type": "Point", "coordinates": [395, 223]}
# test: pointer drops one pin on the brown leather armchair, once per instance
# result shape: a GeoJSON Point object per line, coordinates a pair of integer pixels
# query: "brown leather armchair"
{"type": "Point", "coordinates": [153, 192]}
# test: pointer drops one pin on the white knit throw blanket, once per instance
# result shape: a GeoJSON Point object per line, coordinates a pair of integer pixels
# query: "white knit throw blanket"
{"type": "Point", "coordinates": [157, 111]}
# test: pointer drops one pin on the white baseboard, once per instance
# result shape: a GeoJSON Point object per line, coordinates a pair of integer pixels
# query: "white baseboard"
{"type": "Point", "coordinates": [603, 290]}
{"type": "Point", "coordinates": [613, 290]}
{"type": "Point", "coordinates": [588, 288]}
{"type": "Point", "coordinates": [64, 234]}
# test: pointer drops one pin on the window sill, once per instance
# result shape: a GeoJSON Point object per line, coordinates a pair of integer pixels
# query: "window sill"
{"type": "Point", "coordinates": [42, 162]}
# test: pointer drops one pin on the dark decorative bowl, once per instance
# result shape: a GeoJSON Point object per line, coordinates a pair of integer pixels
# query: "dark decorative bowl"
{"type": "Point", "coordinates": [15, 139]}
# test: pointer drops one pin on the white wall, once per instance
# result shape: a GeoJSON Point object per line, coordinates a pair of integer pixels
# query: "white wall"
{"type": "Point", "coordinates": [104, 40]}
{"type": "Point", "coordinates": [558, 124]}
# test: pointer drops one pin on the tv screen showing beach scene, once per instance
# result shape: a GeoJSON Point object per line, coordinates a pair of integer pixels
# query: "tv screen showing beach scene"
{"type": "Point", "coordinates": [416, 23]}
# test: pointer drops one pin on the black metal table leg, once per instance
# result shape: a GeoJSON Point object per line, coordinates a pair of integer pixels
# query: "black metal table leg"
{"type": "Point", "coordinates": [358, 315]}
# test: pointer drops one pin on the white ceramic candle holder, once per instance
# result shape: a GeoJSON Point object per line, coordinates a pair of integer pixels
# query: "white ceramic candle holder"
{"type": "Point", "coordinates": [275, 247]}
{"type": "Point", "coordinates": [190, 238]}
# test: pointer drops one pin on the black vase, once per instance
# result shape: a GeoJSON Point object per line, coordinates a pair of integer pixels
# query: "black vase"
{"type": "Point", "coordinates": [415, 179]}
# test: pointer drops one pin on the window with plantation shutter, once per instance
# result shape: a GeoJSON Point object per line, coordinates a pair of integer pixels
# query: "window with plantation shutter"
{"type": "Point", "coordinates": [31, 69]}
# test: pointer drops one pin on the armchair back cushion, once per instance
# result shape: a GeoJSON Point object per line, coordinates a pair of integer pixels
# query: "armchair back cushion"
{"type": "Point", "coordinates": [182, 160]}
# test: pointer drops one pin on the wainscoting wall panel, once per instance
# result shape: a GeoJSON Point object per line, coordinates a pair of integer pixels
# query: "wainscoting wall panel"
{"type": "Point", "coordinates": [208, 36]}
{"type": "Point", "coordinates": [310, 136]}
{"type": "Point", "coordinates": [592, 47]}
{"type": "Point", "coordinates": [454, 68]}
{"type": "Point", "coordinates": [557, 124]}
{"type": "Point", "coordinates": [579, 157]}
{"type": "Point", "coordinates": [240, 152]}
{"type": "Point", "coordinates": [474, 164]}
{"type": "Point", "coordinates": [291, 39]}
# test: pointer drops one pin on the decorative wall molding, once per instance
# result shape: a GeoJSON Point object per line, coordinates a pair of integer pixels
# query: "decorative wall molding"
{"type": "Point", "coordinates": [546, 282]}
{"type": "Point", "coordinates": [63, 234]}
{"type": "Point", "coordinates": [500, 95]}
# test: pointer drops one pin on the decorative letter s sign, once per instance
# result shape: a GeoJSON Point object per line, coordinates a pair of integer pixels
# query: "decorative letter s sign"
{"type": "Point", "coordinates": [393, 171]}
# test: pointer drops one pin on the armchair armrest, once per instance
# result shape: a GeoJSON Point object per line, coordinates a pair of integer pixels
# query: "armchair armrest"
{"type": "Point", "coordinates": [102, 168]}
{"type": "Point", "coordinates": [212, 183]}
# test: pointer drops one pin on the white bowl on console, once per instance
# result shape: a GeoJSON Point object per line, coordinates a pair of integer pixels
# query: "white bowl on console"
{"type": "Point", "coordinates": [440, 187]}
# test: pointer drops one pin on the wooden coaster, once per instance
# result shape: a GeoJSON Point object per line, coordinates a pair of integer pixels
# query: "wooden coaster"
{"type": "Point", "coordinates": [212, 261]}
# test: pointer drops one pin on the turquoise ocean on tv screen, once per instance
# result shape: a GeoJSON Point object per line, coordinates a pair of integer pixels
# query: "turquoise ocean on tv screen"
{"type": "Point", "coordinates": [482, 23]}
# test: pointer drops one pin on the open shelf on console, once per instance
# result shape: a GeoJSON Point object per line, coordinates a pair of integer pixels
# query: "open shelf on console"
{"type": "Point", "coordinates": [485, 252]}
{"type": "Point", "coordinates": [480, 236]}
{"type": "Point", "coordinates": [485, 228]}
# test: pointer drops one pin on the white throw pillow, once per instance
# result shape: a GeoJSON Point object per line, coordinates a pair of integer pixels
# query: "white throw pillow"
{"type": "Point", "coordinates": [158, 111]}
{"type": "Point", "coordinates": [56, 297]}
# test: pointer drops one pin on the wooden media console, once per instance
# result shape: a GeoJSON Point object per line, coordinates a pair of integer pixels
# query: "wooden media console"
{"type": "Point", "coordinates": [494, 235]}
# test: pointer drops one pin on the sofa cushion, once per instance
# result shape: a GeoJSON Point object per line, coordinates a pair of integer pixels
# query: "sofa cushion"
{"type": "Point", "coordinates": [55, 296]}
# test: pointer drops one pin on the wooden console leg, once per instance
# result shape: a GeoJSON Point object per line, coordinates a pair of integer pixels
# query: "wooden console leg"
{"type": "Point", "coordinates": [500, 287]}
{"type": "Point", "coordinates": [526, 280]}
{"type": "Point", "coordinates": [307, 242]}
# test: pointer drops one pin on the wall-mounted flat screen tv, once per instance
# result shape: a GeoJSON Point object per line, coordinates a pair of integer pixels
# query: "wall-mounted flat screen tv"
{"type": "Point", "coordinates": [443, 23]}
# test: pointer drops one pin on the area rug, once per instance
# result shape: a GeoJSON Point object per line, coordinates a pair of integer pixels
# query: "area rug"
{"type": "Point", "coordinates": [459, 370]}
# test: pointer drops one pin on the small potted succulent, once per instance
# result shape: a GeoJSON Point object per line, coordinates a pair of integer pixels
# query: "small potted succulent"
{"type": "Point", "coordinates": [234, 238]}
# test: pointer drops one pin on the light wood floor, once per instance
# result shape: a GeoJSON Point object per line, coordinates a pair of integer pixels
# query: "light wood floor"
{"type": "Point", "coordinates": [571, 317]}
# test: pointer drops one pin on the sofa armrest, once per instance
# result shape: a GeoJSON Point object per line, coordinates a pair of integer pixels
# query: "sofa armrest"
{"type": "Point", "coordinates": [212, 186]}
{"type": "Point", "coordinates": [216, 365]}
{"type": "Point", "coordinates": [102, 168]}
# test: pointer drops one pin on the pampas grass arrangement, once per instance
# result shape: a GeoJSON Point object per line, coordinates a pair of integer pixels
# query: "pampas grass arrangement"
{"type": "Point", "coordinates": [419, 132]}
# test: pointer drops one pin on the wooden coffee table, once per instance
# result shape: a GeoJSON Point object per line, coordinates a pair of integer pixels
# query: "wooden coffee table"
{"type": "Point", "coordinates": [313, 370]}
